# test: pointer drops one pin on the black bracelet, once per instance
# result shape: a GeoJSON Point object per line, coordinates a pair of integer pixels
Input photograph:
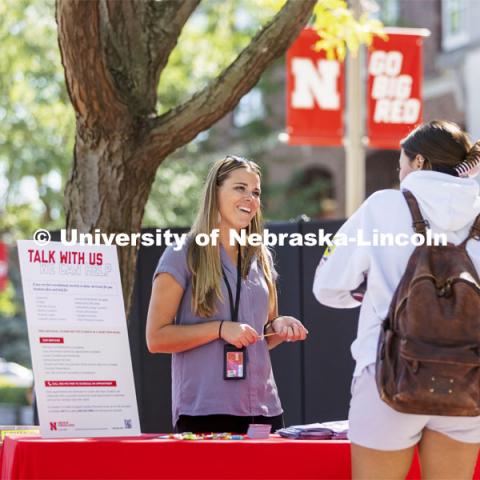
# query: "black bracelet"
{"type": "Point", "coordinates": [270, 323]}
{"type": "Point", "coordinates": [265, 327]}
{"type": "Point", "coordinates": [220, 330]}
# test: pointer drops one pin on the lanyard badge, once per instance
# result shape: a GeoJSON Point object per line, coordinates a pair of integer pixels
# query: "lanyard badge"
{"type": "Point", "coordinates": [234, 362]}
{"type": "Point", "coordinates": [234, 359]}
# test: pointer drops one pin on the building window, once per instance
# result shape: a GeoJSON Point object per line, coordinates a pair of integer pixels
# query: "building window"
{"type": "Point", "coordinates": [454, 24]}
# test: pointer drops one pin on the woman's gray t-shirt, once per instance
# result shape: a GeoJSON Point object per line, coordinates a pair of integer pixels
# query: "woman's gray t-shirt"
{"type": "Point", "coordinates": [198, 386]}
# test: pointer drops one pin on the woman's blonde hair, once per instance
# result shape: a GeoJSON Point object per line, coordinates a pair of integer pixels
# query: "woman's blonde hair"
{"type": "Point", "coordinates": [204, 261]}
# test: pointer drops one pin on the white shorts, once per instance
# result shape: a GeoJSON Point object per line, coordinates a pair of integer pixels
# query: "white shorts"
{"type": "Point", "coordinates": [374, 424]}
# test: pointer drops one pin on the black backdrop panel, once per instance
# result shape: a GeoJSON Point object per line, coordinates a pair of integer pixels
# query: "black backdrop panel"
{"type": "Point", "coordinates": [328, 365]}
{"type": "Point", "coordinates": [287, 358]}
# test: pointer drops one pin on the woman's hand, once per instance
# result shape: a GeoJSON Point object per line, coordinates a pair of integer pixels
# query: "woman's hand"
{"type": "Point", "coordinates": [239, 334]}
{"type": "Point", "coordinates": [289, 329]}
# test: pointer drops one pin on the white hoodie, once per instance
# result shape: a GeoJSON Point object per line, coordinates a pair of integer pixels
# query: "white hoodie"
{"type": "Point", "coordinates": [449, 203]}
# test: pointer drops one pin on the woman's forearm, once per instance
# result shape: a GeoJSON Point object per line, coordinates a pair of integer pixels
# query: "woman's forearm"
{"type": "Point", "coordinates": [273, 341]}
{"type": "Point", "coordinates": [179, 338]}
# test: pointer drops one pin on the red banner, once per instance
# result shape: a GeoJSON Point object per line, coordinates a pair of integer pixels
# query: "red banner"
{"type": "Point", "coordinates": [315, 97]}
{"type": "Point", "coordinates": [3, 266]}
{"type": "Point", "coordinates": [394, 87]}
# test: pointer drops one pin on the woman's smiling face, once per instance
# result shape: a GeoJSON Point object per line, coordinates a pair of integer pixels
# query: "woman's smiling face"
{"type": "Point", "coordinates": [239, 199]}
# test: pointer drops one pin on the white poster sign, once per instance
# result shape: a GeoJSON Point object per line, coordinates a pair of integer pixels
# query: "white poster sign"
{"type": "Point", "coordinates": [78, 340]}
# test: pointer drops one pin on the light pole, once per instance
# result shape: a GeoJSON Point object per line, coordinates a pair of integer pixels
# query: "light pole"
{"type": "Point", "coordinates": [354, 144]}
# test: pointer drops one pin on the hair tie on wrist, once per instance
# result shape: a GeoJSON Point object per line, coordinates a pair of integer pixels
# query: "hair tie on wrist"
{"type": "Point", "coordinates": [265, 328]}
{"type": "Point", "coordinates": [220, 330]}
{"type": "Point", "coordinates": [270, 324]}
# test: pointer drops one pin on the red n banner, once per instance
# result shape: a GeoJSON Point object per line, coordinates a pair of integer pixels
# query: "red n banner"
{"type": "Point", "coordinates": [3, 266]}
{"type": "Point", "coordinates": [314, 94]}
{"type": "Point", "coordinates": [394, 87]}
{"type": "Point", "coordinates": [315, 90]}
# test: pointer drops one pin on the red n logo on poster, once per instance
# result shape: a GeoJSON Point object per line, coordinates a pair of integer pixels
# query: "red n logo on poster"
{"type": "Point", "coordinates": [314, 94]}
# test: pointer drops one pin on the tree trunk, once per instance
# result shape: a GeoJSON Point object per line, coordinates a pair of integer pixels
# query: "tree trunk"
{"type": "Point", "coordinates": [107, 192]}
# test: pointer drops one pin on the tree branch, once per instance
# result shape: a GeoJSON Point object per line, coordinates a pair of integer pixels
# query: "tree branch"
{"type": "Point", "coordinates": [139, 37]}
{"type": "Point", "coordinates": [124, 40]}
{"type": "Point", "coordinates": [182, 124]}
{"type": "Point", "coordinates": [167, 20]}
{"type": "Point", "coordinates": [95, 98]}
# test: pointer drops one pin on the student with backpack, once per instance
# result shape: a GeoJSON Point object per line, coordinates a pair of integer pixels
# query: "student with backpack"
{"type": "Point", "coordinates": [417, 376]}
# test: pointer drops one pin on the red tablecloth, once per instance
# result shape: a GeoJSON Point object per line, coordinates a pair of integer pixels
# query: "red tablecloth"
{"type": "Point", "coordinates": [148, 457]}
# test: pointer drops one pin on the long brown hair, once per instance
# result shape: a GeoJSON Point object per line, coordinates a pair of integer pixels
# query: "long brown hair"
{"type": "Point", "coordinates": [204, 261]}
{"type": "Point", "coordinates": [442, 144]}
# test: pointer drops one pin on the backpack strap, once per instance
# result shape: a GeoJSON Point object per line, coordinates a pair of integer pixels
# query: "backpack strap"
{"type": "Point", "coordinates": [474, 232]}
{"type": "Point", "coordinates": [419, 223]}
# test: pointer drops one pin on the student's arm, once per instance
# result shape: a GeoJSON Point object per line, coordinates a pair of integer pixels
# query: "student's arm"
{"type": "Point", "coordinates": [163, 336]}
{"type": "Point", "coordinates": [343, 268]}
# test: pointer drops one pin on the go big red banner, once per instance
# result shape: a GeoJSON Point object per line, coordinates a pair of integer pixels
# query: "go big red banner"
{"type": "Point", "coordinates": [394, 88]}
{"type": "Point", "coordinates": [3, 266]}
{"type": "Point", "coordinates": [314, 94]}
{"type": "Point", "coordinates": [315, 90]}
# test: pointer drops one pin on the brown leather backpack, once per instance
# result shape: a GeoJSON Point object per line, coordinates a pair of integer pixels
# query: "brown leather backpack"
{"type": "Point", "coordinates": [428, 357]}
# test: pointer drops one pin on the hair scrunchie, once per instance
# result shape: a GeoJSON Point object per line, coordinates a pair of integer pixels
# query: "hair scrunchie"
{"type": "Point", "coordinates": [468, 169]}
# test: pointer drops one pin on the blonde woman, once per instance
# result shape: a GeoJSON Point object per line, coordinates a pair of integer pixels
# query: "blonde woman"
{"type": "Point", "coordinates": [211, 306]}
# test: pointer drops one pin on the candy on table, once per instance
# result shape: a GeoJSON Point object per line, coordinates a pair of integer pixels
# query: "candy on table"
{"type": "Point", "coordinates": [202, 436]}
